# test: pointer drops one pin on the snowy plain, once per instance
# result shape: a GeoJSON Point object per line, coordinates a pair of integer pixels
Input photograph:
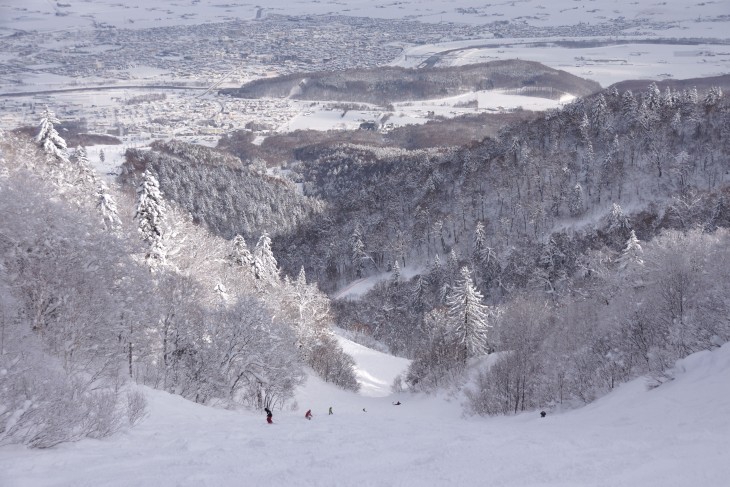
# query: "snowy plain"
{"type": "Point", "coordinates": [674, 18]}
{"type": "Point", "coordinates": [675, 435]}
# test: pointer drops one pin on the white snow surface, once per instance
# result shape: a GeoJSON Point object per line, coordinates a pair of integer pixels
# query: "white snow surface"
{"type": "Point", "coordinates": [359, 287]}
{"type": "Point", "coordinates": [675, 435]}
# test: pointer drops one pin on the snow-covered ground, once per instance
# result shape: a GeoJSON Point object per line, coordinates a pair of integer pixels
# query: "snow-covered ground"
{"type": "Point", "coordinates": [357, 288]}
{"type": "Point", "coordinates": [674, 435]}
{"type": "Point", "coordinates": [600, 59]}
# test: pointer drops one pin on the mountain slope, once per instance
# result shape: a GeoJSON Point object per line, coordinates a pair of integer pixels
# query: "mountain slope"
{"type": "Point", "coordinates": [677, 434]}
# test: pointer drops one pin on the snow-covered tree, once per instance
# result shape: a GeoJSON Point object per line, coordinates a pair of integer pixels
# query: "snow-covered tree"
{"type": "Point", "coordinates": [107, 205]}
{"type": "Point", "coordinates": [714, 95]}
{"type": "Point", "coordinates": [84, 176]}
{"type": "Point", "coordinates": [151, 211]}
{"type": "Point", "coordinates": [265, 266]}
{"type": "Point", "coordinates": [48, 138]}
{"type": "Point", "coordinates": [632, 253]}
{"type": "Point", "coordinates": [618, 224]}
{"type": "Point", "coordinates": [240, 255]}
{"type": "Point", "coordinates": [469, 316]}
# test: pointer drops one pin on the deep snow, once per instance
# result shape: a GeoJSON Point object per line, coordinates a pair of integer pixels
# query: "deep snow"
{"type": "Point", "coordinates": [674, 435]}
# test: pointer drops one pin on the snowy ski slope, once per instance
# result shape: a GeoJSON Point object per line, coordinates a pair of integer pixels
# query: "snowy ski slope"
{"type": "Point", "coordinates": [675, 435]}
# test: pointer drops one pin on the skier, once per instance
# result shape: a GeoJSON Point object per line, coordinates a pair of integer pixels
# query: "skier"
{"type": "Point", "coordinates": [269, 416]}
{"type": "Point", "coordinates": [396, 403]}
{"type": "Point", "coordinates": [309, 414]}
{"type": "Point", "coordinates": [543, 414]}
{"type": "Point", "coordinates": [331, 410]}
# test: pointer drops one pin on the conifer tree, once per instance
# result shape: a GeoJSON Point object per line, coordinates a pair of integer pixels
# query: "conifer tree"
{"type": "Point", "coordinates": [107, 205]}
{"type": "Point", "coordinates": [265, 266]}
{"type": "Point", "coordinates": [151, 212]}
{"type": "Point", "coordinates": [48, 138]}
{"type": "Point", "coordinates": [632, 253]}
{"type": "Point", "coordinates": [469, 316]}
{"type": "Point", "coordinates": [85, 175]}
{"type": "Point", "coordinates": [240, 255]}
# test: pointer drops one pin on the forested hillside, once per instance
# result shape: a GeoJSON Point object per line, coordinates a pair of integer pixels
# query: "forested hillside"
{"type": "Point", "coordinates": [220, 192]}
{"type": "Point", "coordinates": [575, 179]}
{"type": "Point", "coordinates": [585, 248]}
{"type": "Point", "coordinates": [385, 85]}
{"type": "Point", "coordinates": [99, 291]}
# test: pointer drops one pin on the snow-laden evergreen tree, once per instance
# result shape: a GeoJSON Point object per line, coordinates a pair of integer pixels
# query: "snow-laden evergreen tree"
{"type": "Point", "coordinates": [311, 311]}
{"type": "Point", "coordinates": [240, 255]}
{"type": "Point", "coordinates": [47, 137]}
{"type": "Point", "coordinates": [265, 266]}
{"type": "Point", "coordinates": [618, 220]}
{"type": "Point", "coordinates": [151, 212]}
{"type": "Point", "coordinates": [85, 176]}
{"type": "Point", "coordinates": [713, 96]}
{"type": "Point", "coordinates": [469, 316]}
{"type": "Point", "coordinates": [107, 205]}
{"type": "Point", "coordinates": [599, 112]}
{"type": "Point", "coordinates": [632, 253]}
{"type": "Point", "coordinates": [628, 104]}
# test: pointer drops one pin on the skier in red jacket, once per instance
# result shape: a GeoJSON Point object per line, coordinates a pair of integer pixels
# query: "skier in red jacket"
{"type": "Point", "coordinates": [309, 414]}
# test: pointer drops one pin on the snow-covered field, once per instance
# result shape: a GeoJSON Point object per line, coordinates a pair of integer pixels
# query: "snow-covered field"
{"type": "Point", "coordinates": [674, 435]}
{"type": "Point", "coordinates": [600, 59]}
{"type": "Point", "coordinates": [669, 17]}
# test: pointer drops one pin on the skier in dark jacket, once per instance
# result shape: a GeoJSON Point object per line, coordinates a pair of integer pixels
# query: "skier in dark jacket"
{"type": "Point", "coordinates": [269, 416]}
{"type": "Point", "coordinates": [309, 414]}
